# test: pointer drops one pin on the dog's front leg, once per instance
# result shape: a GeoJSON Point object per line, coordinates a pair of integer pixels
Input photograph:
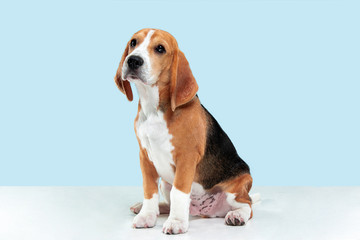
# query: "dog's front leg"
{"type": "Point", "coordinates": [178, 220]}
{"type": "Point", "coordinates": [150, 208]}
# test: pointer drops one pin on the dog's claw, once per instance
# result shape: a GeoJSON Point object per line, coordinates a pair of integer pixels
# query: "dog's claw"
{"type": "Point", "coordinates": [237, 222]}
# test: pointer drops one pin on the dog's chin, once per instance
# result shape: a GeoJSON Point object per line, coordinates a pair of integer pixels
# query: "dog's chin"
{"type": "Point", "coordinates": [135, 79]}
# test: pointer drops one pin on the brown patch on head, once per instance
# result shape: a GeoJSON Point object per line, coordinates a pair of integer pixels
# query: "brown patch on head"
{"type": "Point", "coordinates": [161, 61]}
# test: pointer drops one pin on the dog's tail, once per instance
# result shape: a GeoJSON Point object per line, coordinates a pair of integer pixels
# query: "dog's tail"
{"type": "Point", "coordinates": [255, 198]}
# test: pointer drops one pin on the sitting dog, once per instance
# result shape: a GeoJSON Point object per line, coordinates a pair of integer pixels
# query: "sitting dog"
{"type": "Point", "coordinates": [180, 141]}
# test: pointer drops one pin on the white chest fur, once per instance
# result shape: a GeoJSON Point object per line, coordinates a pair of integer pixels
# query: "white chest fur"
{"type": "Point", "coordinates": [153, 133]}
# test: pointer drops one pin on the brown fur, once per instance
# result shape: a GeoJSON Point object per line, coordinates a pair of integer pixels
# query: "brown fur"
{"type": "Point", "coordinates": [240, 185]}
{"type": "Point", "coordinates": [189, 145]}
{"type": "Point", "coordinates": [124, 86]}
{"type": "Point", "coordinates": [150, 176]}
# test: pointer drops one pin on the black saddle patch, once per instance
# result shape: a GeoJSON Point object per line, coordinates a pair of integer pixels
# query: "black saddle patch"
{"type": "Point", "coordinates": [221, 161]}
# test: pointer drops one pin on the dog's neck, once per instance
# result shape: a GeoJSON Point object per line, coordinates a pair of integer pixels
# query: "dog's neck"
{"type": "Point", "coordinates": [148, 97]}
{"type": "Point", "coordinates": [154, 98]}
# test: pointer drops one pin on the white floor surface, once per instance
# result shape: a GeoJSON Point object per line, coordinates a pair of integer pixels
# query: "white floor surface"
{"type": "Point", "coordinates": [102, 213]}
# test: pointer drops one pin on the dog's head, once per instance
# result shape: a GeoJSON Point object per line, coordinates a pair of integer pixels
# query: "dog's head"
{"type": "Point", "coordinates": [153, 58]}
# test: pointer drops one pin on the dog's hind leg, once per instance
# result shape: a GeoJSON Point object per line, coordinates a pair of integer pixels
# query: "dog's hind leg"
{"type": "Point", "coordinates": [164, 208]}
{"type": "Point", "coordinates": [237, 196]}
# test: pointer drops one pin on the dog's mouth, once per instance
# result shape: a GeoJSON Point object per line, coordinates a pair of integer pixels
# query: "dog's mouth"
{"type": "Point", "coordinates": [133, 77]}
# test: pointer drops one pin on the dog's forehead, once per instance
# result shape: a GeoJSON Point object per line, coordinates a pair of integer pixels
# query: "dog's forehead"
{"type": "Point", "coordinates": [164, 35]}
{"type": "Point", "coordinates": [140, 35]}
{"type": "Point", "coordinates": [157, 36]}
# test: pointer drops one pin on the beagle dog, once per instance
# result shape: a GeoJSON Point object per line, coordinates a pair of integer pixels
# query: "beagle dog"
{"type": "Point", "coordinates": [180, 141]}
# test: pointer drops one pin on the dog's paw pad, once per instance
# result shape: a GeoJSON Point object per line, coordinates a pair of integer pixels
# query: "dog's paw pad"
{"type": "Point", "coordinates": [236, 218]}
{"type": "Point", "coordinates": [144, 220]}
{"type": "Point", "coordinates": [173, 226]}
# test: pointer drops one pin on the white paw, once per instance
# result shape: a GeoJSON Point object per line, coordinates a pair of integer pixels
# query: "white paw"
{"type": "Point", "coordinates": [237, 217]}
{"type": "Point", "coordinates": [144, 220]}
{"type": "Point", "coordinates": [173, 226]}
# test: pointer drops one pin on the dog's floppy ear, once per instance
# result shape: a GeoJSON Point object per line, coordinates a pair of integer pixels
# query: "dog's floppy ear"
{"type": "Point", "coordinates": [183, 85]}
{"type": "Point", "coordinates": [123, 85]}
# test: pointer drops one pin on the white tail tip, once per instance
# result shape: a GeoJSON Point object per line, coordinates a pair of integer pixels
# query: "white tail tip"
{"type": "Point", "coordinates": [255, 198]}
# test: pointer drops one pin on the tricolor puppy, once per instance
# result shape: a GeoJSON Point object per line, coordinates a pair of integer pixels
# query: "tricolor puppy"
{"type": "Point", "coordinates": [180, 141]}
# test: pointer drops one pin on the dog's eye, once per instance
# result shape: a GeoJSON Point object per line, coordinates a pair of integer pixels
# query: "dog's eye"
{"type": "Point", "coordinates": [133, 43]}
{"type": "Point", "coordinates": [160, 49]}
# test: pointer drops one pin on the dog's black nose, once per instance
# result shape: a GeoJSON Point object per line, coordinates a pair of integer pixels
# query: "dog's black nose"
{"type": "Point", "coordinates": [135, 62]}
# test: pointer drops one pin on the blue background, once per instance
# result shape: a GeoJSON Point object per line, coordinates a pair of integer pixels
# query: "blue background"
{"type": "Point", "coordinates": [281, 77]}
